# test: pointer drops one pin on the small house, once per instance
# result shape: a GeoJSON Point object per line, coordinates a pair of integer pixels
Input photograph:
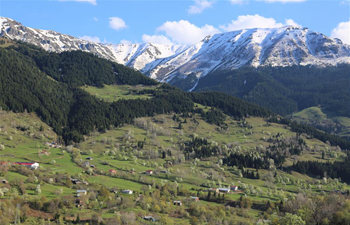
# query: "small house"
{"type": "Point", "coordinates": [4, 181]}
{"type": "Point", "coordinates": [78, 203]}
{"type": "Point", "coordinates": [129, 192]}
{"type": "Point", "coordinates": [194, 198]}
{"type": "Point", "coordinates": [114, 190]}
{"type": "Point", "coordinates": [4, 163]}
{"type": "Point", "coordinates": [75, 181]}
{"type": "Point", "coordinates": [224, 190]}
{"type": "Point", "coordinates": [86, 164]}
{"type": "Point", "coordinates": [149, 172]}
{"type": "Point", "coordinates": [112, 172]}
{"type": "Point", "coordinates": [234, 188]}
{"type": "Point", "coordinates": [34, 166]}
{"type": "Point", "coordinates": [81, 192]}
{"type": "Point", "coordinates": [178, 203]}
{"type": "Point", "coordinates": [30, 165]}
{"type": "Point", "coordinates": [149, 218]}
{"type": "Point", "coordinates": [45, 152]}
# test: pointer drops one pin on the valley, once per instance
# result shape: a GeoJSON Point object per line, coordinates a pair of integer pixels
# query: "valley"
{"type": "Point", "coordinates": [117, 147]}
{"type": "Point", "coordinates": [118, 159]}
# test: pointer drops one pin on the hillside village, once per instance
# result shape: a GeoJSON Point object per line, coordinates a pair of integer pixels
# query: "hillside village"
{"type": "Point", "coordinates": [116, 147]}
{"type": "Point", "coordinates": [156, 187]}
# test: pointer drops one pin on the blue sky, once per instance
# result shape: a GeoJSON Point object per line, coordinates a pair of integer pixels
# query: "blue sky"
{"type": "Point", "coordinates": [180, 21]}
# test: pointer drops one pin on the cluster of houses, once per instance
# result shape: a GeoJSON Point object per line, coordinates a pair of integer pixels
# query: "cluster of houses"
{"type": "Point", "coordinates": [224, 190]}
{"type": "Point", "coordinates": [53, 145]}
{"type": "Point", "coordinates": [77, 181]}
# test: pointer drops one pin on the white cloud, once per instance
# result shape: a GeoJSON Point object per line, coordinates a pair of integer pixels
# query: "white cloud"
{"type": "Point", "coordinates": [157, 39]}
{"type": "Point", "coordinates": [292, 23]}
{"type": "Point", "coordinates": [93, 2]}
{"type": "Point", "coordinates": [283, 1]}
{"type": "Point", "coordinates": [199, 6]}
{"type": "Point", "coordinates": [95, 19]}
{"type": "Point", "coordinates": [185, 32]}
{"type": "Point", "coordinates": [116, 23]}
{"type": "Point", "coordinates": [251, 21]}
{"type": "Point", "coordinates": [342, 31]}
{"type": "Point", "coordinates": [255, 21]}
{"type": "Point", "coordinates": [91, 38]}
{"type": "Point", "coordinates": [237, 2]}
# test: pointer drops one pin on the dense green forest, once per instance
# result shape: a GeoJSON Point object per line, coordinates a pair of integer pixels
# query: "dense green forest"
{"type": "Point", "coordinates": [286, 89]}
{"type": "Point", "coordinates": [317, 169]}
{"type": "Point", "coordinates": [48, 84]}
{"type": "Point", "coordinates": [77, 68]}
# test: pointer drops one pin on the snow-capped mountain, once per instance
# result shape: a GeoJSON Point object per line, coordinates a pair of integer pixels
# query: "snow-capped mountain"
{"type": "Point", "coordinates": [134, 55]}
{"type": "Point", "coordinates": [285, 46]}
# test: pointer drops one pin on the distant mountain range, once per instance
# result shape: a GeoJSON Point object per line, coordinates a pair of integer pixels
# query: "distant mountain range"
{"type": "Point", "coordinates": [184, 66]}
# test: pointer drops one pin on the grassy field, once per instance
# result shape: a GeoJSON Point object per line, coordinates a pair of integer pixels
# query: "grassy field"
{"type": "Point", "coordinates": [316, 117]}
{"type": "Point", "coordinates": [111, 93]}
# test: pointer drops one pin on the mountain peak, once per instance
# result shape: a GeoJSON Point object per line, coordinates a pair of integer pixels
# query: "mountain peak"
{"type": "Point", "coordinates": [283, 46]}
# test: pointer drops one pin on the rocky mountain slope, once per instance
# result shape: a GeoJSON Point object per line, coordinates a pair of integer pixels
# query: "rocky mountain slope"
{"type": "Point", "coordinates": [285, 46]}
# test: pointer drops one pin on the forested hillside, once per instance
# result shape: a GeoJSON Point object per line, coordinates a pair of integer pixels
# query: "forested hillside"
{"type": "Point", "coordinates": [285, 90]}
{"type": "Point", "coordinates": [48, 84]}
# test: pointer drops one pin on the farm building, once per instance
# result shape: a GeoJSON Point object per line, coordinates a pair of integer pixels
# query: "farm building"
{"type": "Point", "coordinates": [81, 192]}
{"type": "Point", "coordinates": [149, 172]}
{"type": "Point", "coordinates": [53, 145]}
{"type": "Point", "coordinates": [194, 198]}
{"type": "Point", "coordinates": [149, 218]}
{"type": "Point", "coordinates": [4, 181]}
{"type": "Point", "coordinates": [75, 181]}
{"type": "Point", "coordinates": [78, 203]}
{"type": "Point", "coordinates": [234, 188]}
{"type": "Point", "coordinates": [31, 165]}
{"type": "Point", "coordinates": [129, 192]}
{"type": "Point", "coordinates": [112, 172]}
{"type": "Point", "coordinates": [224, 190]}
{"type": "Point", "coordinates": [179, 203]}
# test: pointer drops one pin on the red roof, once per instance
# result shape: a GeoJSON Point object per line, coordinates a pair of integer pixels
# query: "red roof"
{"type": "Point", "coordinates": [24, 163]}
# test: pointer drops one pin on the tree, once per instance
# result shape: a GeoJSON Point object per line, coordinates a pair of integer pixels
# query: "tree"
{"type": "Point", "coordinates": [38, 189]}
{"type": "Point", "coordinates": [291, 219]}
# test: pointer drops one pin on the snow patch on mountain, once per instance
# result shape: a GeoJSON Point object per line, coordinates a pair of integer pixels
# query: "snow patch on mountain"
{"type": "Point", "coordinates": [284, 46]}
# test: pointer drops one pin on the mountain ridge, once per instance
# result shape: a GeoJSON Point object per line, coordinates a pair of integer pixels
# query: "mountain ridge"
{"type": "Point", "coordinates": [284, 46]}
